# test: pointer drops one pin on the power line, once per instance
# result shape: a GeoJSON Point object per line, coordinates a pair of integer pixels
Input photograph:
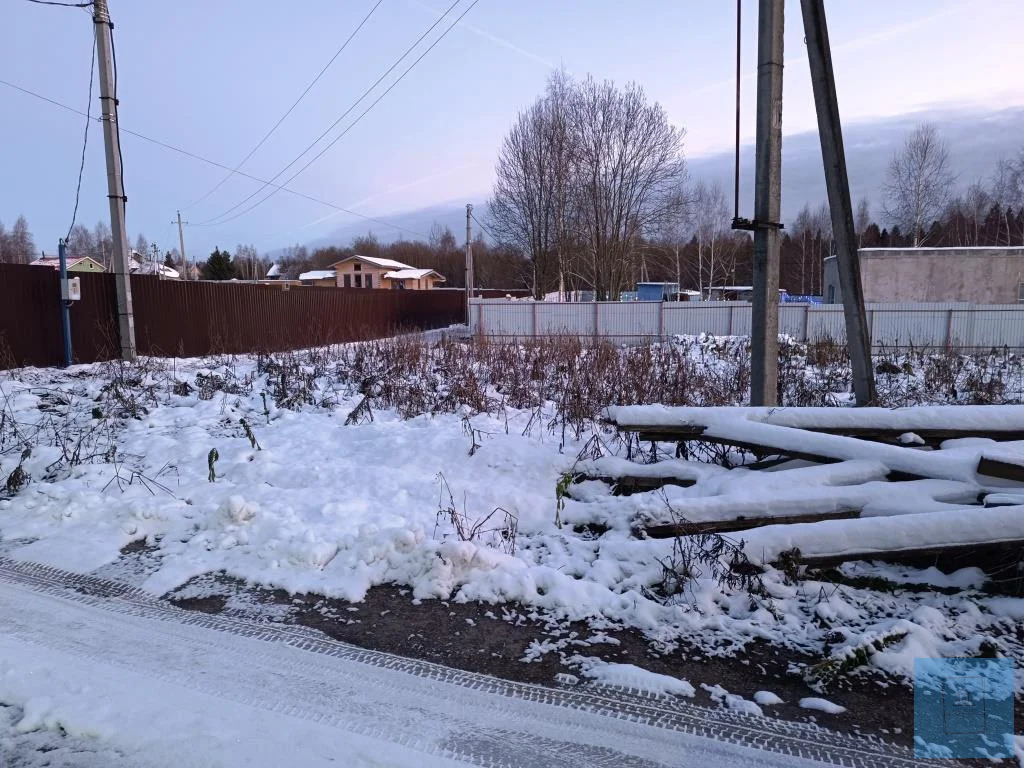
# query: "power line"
{"type": "Point", "coordinates": [290, 109]}
{"type": "Point", "coordinates": [485, 229]}
{"type": "Point", "coordinates": [214, 163]}
{"type": "Point", "coordinates": [85, 139]}
{"type": "Point", "coordinates": [64, 5]}
{"type": "Point", "coordinates": [316, 141]}
{"type": "Point", "coordinates": [356, 121]}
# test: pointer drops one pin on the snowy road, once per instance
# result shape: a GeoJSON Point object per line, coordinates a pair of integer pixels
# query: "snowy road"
{"type": "Point", "coordinates": [116, 667]}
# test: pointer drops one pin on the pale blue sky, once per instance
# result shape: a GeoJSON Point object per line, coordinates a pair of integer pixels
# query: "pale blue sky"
{"type": "Point", "coordinates": [212, 76]}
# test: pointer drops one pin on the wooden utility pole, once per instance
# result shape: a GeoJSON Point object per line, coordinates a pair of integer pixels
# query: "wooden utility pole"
{"type": "Point", "coordinates": [469, 259]}
{"type": "Point", "coordinates": [826, 103]}
{"type": "Point", "coordinates": [104, 30]}
{"type": "Point", "coordinates": [764, 327]}
{"type": "Point", "coordinates": [181, 248]}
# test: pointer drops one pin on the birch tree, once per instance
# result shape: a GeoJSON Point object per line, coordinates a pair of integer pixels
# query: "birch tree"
{"type": "Point", "coordinates": [919, 182]}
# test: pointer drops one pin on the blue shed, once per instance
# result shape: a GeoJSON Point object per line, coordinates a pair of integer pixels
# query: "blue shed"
{"type": "Point", "coordinates": [657, 291]}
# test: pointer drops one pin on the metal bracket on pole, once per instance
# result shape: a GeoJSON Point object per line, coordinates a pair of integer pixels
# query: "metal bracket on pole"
{"type": "Point", "coordinates": [752, 225]}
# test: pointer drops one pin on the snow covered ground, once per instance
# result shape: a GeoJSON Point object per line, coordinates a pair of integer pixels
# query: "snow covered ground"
{"type": "Point", "coordinates": [130, 680]}
{"type": "Point", "coordinates": [224, 465]}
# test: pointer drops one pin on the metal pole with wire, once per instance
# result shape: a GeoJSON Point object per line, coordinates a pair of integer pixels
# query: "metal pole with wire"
{"type": "Point", "coordinates": [181, 247]}
{"type": "Point", "coordinates": [65, 302]}
{"type": "Point", "coordinates": [837, 183]}
{"type": "Point", "coordinates": [469, 261]}
{"type": "Point", "coordinates": [736, 164]}
{"type": "Point", "coordinates": [764, 322]}
{"type": "Point", "coordinates": [104, 29]}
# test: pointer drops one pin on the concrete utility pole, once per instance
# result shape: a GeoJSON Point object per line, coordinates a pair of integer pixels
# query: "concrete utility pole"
{"type": "Point", "coordinates": [826, 103]}
{"type": "Point", "coordinates": [104, 29]}
{"type": "Point", "coordinates": [469, 259]}
{"type": "Point", "coordinates": [181, 248]}
{"type": "Point", "coordinates": [764, 328]}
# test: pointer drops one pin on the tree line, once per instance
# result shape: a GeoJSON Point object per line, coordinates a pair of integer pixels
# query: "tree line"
{"type": "Point", "coordinates": [591, 189]}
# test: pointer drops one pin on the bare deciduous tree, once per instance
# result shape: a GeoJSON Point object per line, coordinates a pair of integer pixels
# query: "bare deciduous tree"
{"type": "Point", "coordinates": [17, 245]}
{"type": "Point", "coordinates": [581, 176]}
{"type": "Point", "coordinates": [627, 170]}
{"type": "Point", "coordinates": [715, 247]}
{"type": "Point", "coordinates": [919, 182]}
{"type": "Point", "coordinates": [862, 218]}
{"type": "Point", "coordinates": [1008, 190]}
{"type": "Point", "coordinates": [522, 207]}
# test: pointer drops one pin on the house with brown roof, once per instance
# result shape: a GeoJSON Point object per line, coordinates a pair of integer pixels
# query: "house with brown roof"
{"type": "Point", "coordinates": [372, 272]}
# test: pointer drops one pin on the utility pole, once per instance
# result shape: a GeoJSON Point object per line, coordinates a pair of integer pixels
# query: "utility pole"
{"type": "Point", "coordinates": [469, 260]}
{"type": "Point", "coordinates": [104, 29]}
{"type": "Point", "coordinates": [833, 155]}
{"type": "Point", "coordinates": [181, 247]}
{"type": "Point", "coordinates": [764, 327]}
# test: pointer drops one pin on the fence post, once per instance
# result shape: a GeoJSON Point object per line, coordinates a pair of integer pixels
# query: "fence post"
{"type": "Point", "coordinates": [871, 328]}
{"type": "Point", "coordinates": [807, 324]}
{"type": "Point", "coordinates": [949, 330]}
{"type": "Point", "coordinates": [728, 331]}
{"type": "Point", "coordinates": [533, 314]}
{"type": "Point", "coordinates": [597, 324]}
{"type": "Point", "coordinates": [661, 319]}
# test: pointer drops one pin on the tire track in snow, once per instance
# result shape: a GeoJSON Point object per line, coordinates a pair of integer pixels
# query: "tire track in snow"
{"type": "Point", "coordinates": [611, 728]}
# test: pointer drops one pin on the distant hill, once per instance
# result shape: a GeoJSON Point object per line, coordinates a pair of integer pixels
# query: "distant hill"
{"type": "Point", "coordinates": [977, 141]}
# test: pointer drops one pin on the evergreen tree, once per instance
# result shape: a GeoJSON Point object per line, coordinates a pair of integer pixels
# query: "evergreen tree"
{"type": "Point", "coordinates": [219, 266]}
{"type": "Point", "coordinates": [169, 260]}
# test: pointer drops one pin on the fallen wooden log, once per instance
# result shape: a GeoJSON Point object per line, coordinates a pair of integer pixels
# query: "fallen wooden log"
{"type": "Point", "coordinates": [927, 534]}
{"type": "Point", "coordinates": [627, 485]}
{"type": "Point", "coordinates": [990, 557]}
{"type": "Point", "coordinates": [776, 502]}
{"type": "Point", "coordinates": [671, 530]}
{"type": "Point", "coordinates": [1005, 468]}
{"type": "Point", "coordinates": [933, 424]}
{"type": "Point", "coordinates": [730, 428]}
{"type": "Point", "coordinates": [629, 477]}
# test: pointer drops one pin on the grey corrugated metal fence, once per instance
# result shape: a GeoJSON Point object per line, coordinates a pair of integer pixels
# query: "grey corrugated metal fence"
{"type": "Point", "coordinates": [955, 326]}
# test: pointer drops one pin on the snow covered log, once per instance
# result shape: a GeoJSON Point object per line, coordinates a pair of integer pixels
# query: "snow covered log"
{"type": "Point", "coordinates": [882, 538]}
{"type": "Point", "coordinates": [932, 423]}
{"type": "Point", "coordinates": [756, 429]}
{"type": "Point", "coordinates": [731, 525]}
{"type": "Point", "coordinates": [760, 504]}
{"type": "Point", "coordinates": [630, 477]}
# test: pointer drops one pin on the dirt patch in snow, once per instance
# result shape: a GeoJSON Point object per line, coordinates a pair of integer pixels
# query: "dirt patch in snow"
{"type": "Point", "coordinates": [515, 643]}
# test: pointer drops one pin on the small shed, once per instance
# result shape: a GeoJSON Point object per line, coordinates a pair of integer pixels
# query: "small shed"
{"type": "Point", "coordinates": [657, 291]}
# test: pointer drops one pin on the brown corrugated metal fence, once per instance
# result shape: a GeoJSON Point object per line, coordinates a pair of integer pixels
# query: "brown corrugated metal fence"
{"type": "Point", "coordinates": [187, 319]}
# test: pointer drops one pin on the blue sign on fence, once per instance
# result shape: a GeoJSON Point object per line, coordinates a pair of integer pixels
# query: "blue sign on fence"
{"type": "Point", "coordinates": [963, 708]}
